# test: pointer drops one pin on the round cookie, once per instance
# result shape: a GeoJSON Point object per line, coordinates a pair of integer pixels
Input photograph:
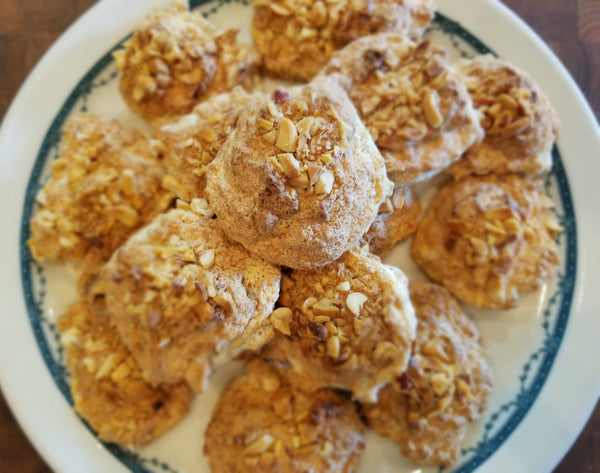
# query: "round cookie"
{"type": "Point", "coordinates": [105, 184]}
{"type": "Point", "coordinates": [185, 299]}
{"type": "Point", "coordinates": [300, 180]}
{"type": "Point", "coordinates": [488, 238]}
{"type": "Point", "coordinates": [190, 142]}
{"type": "Point", "coordinates": [417, 109]}
{"type": "Point", "coordinates": [348, 325]}
{"type": "Point", "coordinates": [261, 424]}
{"type": "Point", "coordinates": [395, 222]}
{"type": "Point", "coordinates": [519, 122]}
{"type": "Point", "coordinates": [296, 38]}
{"type": "Point", "coordinates": [109, 390]}
{"type": "Point", "coordinates": [175, 59]}
{"type": "Point", "coordinates": [428, 408]}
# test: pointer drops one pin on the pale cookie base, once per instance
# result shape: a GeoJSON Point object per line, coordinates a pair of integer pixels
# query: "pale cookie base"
{"type": "Point", "coordinates": [488, 238]}
{"type": "Point", "coordinates": [348, 325]}
{"type": "Point", "coordinates": [185, 299]}
{"type": "Point", "coordinates": [260, 424]}
{"type": "Point", "coordinates": [427, 410]}
{"type": "Point", "coordinates": [109, 390]}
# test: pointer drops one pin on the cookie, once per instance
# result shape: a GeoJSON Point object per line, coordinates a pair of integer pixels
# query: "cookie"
{"type": "Point", "coordinates": [417, 109]}
{"type": "Point", "coordinates": [190, 142]}
{"type": "Point", "coordinates": [519, 122]}
{"type": "Point", "coordinates": [176, 59]}
{"type": "Point", "coordinates": [185, 299]}
{"type": "Point", "coordinates": [300, 180]}
{"type": "Point", "coordinates": [296, 38]}
{"type": "Point", "coordinates": [489, 238]}
{"type": "Point", "coordinates": [395, 222]}
{"type": "Point", "coordinates": [261, 424]}
{"type": "Point", "coordinates": [109, 390]}
{"type": "Point", "coordinates": [445, 388]}
{"type": "Point", "coordinates": [348, 325]}
{"type": "Point", "coordinates": [105, 184]}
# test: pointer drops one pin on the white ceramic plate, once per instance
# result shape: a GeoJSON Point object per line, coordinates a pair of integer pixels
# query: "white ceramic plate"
{"type": "Point", "coordinates": [545, 354]}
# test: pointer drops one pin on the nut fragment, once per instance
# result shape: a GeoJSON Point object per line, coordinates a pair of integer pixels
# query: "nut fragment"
{"type": "Point", "coordinates": [207, 258]}
{"type": "Point", "coordinates": [280, 319]}
{"type": "Point", "coordinates": [201, 207]}
{"type": "Point", "coordinates": [289, 164]}
{"type": "Point", "coordinates": [287, 135]}
{"type": "Point", "coordinates": [171, 184]}
{"type": "Point", "coordinates": [324, 184]}
{"type": "Point", "coordinates": [126, 215]}
{"type": "Point", "coordinates": [260, 445]}
{"type": "Point", "coordinates": [333, 348]}
{"type": "Point", "coordinates": [355, 302]}
{"type": "Point", "coordinates": [325, 307]}
{"type": "Point", "coordinates": [431, 108]}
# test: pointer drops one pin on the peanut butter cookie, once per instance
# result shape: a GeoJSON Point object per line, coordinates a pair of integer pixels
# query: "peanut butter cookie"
{"type": "Point", "coordinates": [296, 38]}
{"type": "Point", "coordinates": [348, 325]}
{"type": "Point", "coordinates": [105, 184]}
{"type": "Point", "coordinates": [488, 238]}
{"type": "Point", "coordinates": [176, 59]}
{"type": "Point", "coordinates": [395, 222]}
{"type": "Point", "coordinates": [185, 299]}
{"type": "Point", "coordinates": [415, 106]}
{"type": "Point", "coordinates": [519, 122]}
{"type": "Point", "coordinates": [262, 424]}
{"type": "Point", "coordinates": [300, 180]}
{"type": "Point", "coordinates": [429, 407]}
{"type": "Point", "coordinates": [109, 390]}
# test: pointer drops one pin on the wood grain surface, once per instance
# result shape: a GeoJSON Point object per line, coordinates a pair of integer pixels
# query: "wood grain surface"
{"type": "Point", "coordinates": [29, 27]}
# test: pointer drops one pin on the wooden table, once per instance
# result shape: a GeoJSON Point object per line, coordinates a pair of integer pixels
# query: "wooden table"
{"type": "Point", "coordinates": [29, 27]}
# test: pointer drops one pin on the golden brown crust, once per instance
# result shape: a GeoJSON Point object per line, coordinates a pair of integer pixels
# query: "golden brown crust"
{"type": "Point", "coordinates": [300, 180]}
{"type": "Point", "coordinates": [427, 409]}
{"type": "Point", "coordinates": [395, 222]}
{"type": "Point", "coordinates": [260, 424]}
{"type": "Point", "coordinates": [109, 390]}
{"type": "Point", "coordinates": [175, 59]}
{"type": "Point", "coordinates": [416, 108]}
{"type": "Point", "coordinates": [190, 142]}
{"type": "Point", "coordinates": [296, 38]}
{"type": "Point", "coordinates": [347, 325]}
{"type": "Point", "coordinates": [105, 184]}
{"type": "Point", "coordinates": [488, 238]}
{"type": "Point", "coordinates": [519, 122]}
{"type": "Point", "coordinates": [185, 299]}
